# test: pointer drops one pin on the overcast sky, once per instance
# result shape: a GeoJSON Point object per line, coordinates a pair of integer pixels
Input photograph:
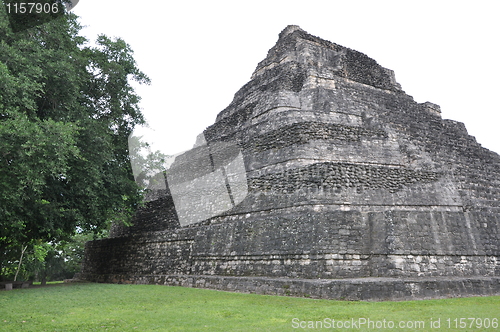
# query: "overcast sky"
{"type": "Point", "coordinates": [199, 53]}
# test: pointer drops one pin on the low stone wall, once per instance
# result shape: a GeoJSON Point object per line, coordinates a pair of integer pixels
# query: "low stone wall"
{"type": "Point", "coordinates": [356, 289]}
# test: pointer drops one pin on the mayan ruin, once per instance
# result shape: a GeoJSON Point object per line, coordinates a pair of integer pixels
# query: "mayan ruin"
{"type": "Point", "coordinates": [322, 178]}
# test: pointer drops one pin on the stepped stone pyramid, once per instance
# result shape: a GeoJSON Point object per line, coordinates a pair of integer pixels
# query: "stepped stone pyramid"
{"type": "Point", "coordinates": [349, 189]}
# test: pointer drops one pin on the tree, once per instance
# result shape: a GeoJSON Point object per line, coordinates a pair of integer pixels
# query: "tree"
{"type": "Point", "coordinates": [66, 111]}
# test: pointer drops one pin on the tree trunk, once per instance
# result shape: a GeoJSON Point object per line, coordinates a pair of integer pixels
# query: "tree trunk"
{"type": "Point", "coordinates": [20, 260]}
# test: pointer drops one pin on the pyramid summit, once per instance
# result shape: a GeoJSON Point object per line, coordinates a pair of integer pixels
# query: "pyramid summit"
{"type": "Point", "coordinates": [324, 59]}
{"type": "Point", "coordinates": [321, 178]}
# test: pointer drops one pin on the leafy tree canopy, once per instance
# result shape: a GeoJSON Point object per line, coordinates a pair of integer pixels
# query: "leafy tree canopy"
{"type": "Point", "coordinates": [66, 111]}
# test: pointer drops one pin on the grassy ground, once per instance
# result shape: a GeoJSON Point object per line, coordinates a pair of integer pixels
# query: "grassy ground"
{"type": "Point", "coordinates": [38, 283]}
{"type": "Point", "coordinates": [101, 307]}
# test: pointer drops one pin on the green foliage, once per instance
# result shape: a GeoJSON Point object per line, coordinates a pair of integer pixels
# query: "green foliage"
{"type": "Point", "coordinates": [48, 261]}
{"type": "Point", "coordinates": [66, 111]}
{"type": "Point", "coordinates": [90, 307]}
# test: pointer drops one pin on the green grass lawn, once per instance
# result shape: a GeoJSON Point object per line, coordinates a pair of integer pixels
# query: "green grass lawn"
{"type": "Point", "coordinates": [102, 307]}
{"type": "Point", "coordinates": [38, 283]}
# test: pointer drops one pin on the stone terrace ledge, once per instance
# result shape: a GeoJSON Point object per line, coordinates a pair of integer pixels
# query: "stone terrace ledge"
{"type": "Point", "coordinates": [352, 289]}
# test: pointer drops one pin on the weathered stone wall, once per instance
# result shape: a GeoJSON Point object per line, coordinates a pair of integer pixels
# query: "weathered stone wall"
{"type": "Point", "coordinates": [329, 176]}
{"type": "Point", "coordinates": [157, 214]}
{"type": "Point", "coordinates": [348, 177]}
{"type": "Point", "coordinates": [352, 289]}
{"type": "Point", "coordinates": [338, 244]}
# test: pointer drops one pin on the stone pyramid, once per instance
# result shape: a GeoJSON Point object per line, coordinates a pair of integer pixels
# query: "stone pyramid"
{"type": "Point", "coordinates": [321, 178]}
